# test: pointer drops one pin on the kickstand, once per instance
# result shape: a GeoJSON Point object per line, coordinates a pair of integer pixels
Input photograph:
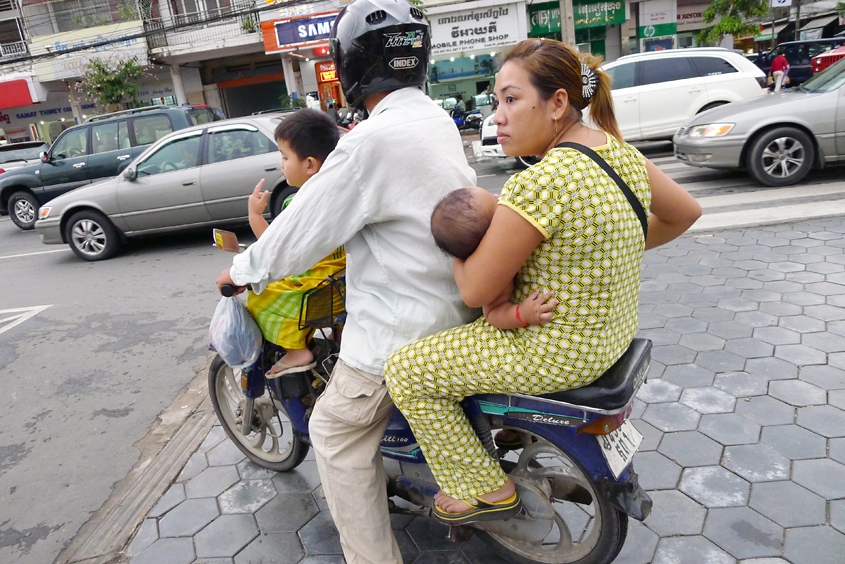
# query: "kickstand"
{"type": "Point", "coordinates": [459, 533]}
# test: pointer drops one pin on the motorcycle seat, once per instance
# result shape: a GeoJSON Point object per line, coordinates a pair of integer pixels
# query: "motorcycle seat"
{"type": "Point", "coordinates": [613, 389]}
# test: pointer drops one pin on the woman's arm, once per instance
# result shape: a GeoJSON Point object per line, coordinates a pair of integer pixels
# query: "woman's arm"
{"type": "Point", "coordinates": [506, 246]}
{"type": "Point", "coordinates": [673, 210]}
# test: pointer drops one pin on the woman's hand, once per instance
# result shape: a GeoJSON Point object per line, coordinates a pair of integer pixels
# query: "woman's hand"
{"type": "Point", "coordinates": [537, 308]}
{"type": "Point", "coordinates": [258, 199]}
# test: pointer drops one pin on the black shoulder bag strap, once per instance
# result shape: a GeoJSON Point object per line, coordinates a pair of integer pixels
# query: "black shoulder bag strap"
{"type": "Point", "coordinates": [629, 194]}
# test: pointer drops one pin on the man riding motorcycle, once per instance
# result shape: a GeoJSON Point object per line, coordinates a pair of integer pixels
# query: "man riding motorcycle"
{"type": "Point", "coordinates": [374, 194]}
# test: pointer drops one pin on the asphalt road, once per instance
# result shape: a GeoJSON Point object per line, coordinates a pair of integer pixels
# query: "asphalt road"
{"type": "Point", "coordinates": [85, 378]}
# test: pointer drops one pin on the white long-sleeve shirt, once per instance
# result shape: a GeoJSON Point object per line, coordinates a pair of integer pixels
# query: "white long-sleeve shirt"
{"type": "Point", "coordinates": [374, 194]}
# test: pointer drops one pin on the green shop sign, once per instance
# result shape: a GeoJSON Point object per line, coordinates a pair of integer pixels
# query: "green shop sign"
{"type": "Point", "coordinates": [657, 30]}
{"type": "Point", "coordinates": [545, 18]}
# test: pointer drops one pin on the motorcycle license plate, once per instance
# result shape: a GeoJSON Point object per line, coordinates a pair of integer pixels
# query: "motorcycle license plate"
{"type": "Point", "coordinates": [620, 446]}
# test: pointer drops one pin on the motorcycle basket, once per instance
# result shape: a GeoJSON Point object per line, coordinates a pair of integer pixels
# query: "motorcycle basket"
{"type": "Point", "coordinates": [321, 305]}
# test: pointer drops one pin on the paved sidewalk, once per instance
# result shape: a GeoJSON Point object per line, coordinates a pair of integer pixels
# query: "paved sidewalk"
{"type": "Point", "coordinates": [743, 421]}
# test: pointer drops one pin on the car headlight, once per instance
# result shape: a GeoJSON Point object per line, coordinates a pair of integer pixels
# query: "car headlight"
{"type": "Point", "coordinates": [44, 212]}
{"type": "Point", "coordinates": [710, 130]}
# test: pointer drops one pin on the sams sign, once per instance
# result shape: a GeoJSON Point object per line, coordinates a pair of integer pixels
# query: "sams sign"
{"type": "Point", "coordinates": [304, 30]}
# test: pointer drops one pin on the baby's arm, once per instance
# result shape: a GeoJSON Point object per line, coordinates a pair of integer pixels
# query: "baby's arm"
{"type": "Point", "coordinates": [536, 309]}
{"type": "Point", "coordinates": [256, 204]}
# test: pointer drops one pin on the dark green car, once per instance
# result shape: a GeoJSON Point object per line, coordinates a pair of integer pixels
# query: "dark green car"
{"type": "Point", "coordinates": [97, 149]}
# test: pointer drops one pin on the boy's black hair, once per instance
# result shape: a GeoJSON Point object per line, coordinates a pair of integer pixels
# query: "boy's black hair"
{"type": "Point", "coordinates": [309, 133]}
{"type": "Point", "coordinates": [458, 225]}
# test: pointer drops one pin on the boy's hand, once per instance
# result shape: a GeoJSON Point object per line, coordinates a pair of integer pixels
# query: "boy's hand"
{"type": "Point", "coordinates": [537, 308]}
{"type": "Point", "coordinates": [258, 199]}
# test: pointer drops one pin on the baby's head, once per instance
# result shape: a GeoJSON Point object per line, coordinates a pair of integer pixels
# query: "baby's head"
{"type": "Point", "coordinates": [461, 219]}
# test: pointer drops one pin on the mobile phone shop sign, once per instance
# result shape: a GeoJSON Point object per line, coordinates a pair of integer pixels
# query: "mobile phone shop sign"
{"type": "Point", "coordinates": [477, 29]}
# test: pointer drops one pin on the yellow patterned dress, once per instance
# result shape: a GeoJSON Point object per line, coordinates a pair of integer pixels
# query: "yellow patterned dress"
{"type": "Point", "coordinates": [590, 259]}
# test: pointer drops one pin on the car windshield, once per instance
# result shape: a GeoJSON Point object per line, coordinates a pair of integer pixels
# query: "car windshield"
{"type": "Point", "coordinates": [21, 154]}
{"type": "Point", "coordinates": [202, 115]}
{"type": "Point", "coordinates": [828, 80]}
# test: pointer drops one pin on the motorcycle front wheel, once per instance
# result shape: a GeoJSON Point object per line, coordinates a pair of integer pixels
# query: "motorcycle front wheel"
{"type": "Point", "coordinates": [587, 529]}
{"type": "Point", "coordinates": [271, 443]}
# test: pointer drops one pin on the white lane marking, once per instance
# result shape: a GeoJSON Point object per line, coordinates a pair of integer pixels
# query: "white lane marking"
{"type": "Point", "coordinates": [766, 216]}
{"type": "Point", "coordinates": [485, 175]}
{"type": "Point", "coordinates": [33, 254]}
{"type": "Point", "coordinates": [24, 313]}
{"type": "Point", "coordinates": [772, 195]}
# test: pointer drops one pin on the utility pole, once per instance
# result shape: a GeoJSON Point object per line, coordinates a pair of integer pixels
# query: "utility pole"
{"type": "Point", "coordinates": [797, 19]}
{"type": "Point", "coordinates": [567, 23]}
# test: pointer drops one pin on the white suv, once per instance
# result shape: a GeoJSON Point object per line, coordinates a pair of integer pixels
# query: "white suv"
{"type": "Point", "coordinates": [655, 93]}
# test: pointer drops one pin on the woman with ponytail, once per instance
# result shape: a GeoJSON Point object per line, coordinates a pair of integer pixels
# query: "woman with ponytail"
{"type": "Point", "coordinates": [575, 224]}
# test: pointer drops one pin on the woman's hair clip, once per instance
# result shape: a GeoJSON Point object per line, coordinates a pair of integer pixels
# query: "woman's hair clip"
{"type": "Point", "coordinates": [589, 82]}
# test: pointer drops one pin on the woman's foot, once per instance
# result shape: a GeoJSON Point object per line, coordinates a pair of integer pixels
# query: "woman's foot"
{"type": "Point", "coordinates": [451, 505]}
{"type": "Point", "coordinates": [295, 358]}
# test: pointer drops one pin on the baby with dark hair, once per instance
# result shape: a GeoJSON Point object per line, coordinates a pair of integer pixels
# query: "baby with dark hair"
{"type": "Point", "coordinates": [458, 224]}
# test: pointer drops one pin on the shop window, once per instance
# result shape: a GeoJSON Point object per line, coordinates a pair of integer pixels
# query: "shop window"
{"type": "Point", "coordinates": [70, 15]}
{"type": "Point", "coordinates": [236, 144]}
{"type": "Point", "coordinates": [150, 129]}
{"type": "Point", "coordinates": [107, 137]}
{"type": "Point", "coordinates": [707, 66]}
{"type": "Point", "coordinates": [657, 71]}
{"type": "Point", "coordinates": [621, 76]}
{"type": "Point", "coordinates": [199, 10]}
{"type": "Point", "coordinates": [177, 154]}
{"type": "Point", "coordinates": [72, 144]}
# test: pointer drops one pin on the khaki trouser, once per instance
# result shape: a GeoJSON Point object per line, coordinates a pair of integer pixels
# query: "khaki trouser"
{"type": "Point", "coordinates": [346, 428]}
{"type": "Point", "coordinates": [777, 76]}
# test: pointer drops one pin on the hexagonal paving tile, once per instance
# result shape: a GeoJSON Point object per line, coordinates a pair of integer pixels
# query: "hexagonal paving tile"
{"type": "Point", "coordinates": [765, 410]}
{"type": "Point", "coordinates": [720, 361]}
{"type": "Point", "coordinates": [673, 354]}
{"type": "Point", "coordinates": [189, 517]}
{"type": "Point", "coordinates": [756, 463]}
{"type": "Point", "coordinates": [211, 482]}
{"type": "Point", "coordinates": [749, 348]}
{"type": "Point", "coordinates": [743, 532]}
{"type": "Point", "coordinates": [797, 393]}
{"type": "Point", "coordinates": [825, 342]}
{"type": "Point", "coordinates": [822, 476]}
{"type": "Point", "coordinates": [825, 312]}
{"type": "Point", "coordinates": [689, 375]}
{"type": "Point", "coordinates": [793, 442]}
{"type": "Point", "coordinates": [771, 368]}
{"type": "Point", "coordinates": [320, 536]}
{"type": "Point", "coordinates": [756, 318]}
{"type": "Point", "coordinates": [639, 546]}
{"type": "Point", "coordinates": [826, 377]}
{"type": "Point", "coordinates": [777, 335]}
{"type": "Point", "coordinates": [788, 504]}
{"type": "Point", "coordinates": [173, 497]}
{"type": "Point", "coordinates": [656, 472]}
{"type": "Point", "coordinates": [147, 534]}
{"type": "Point", "coordinates": [275, 548]}
{"type": "Point", "coordinates": [702, 342]}
{"type": "Point", "coordinates": [837, 515]}
{"type": "Point", "coordinates": [729, 330]}
{"type": "Point", "coordinates": [800, 355]}
{"type": "Point", "coordinates": [713, 486]}
{"type": "Point", "coordinates": [690, 448]}
{"type": "Point", "coordinates": [690, 550]}
{"type": "Point", "coordinates": [286, 513]}
{"type": "Point", "coordinates": [708, 400]}
{"type": "Point", "coordinates": [824, 420]}
{"type": "Point", "coordinates": [801, 324]}
{"type": "Point", "coordinates": [729, 429]}
{"type": "Point", "coordinates": [659, 391]}
{"type": "Point", "coordinates": [684, 325]}
{"type": "Point", "coordinates": [675, 514]}
{"type": "Point", "coordinates": [836, 398]}
{"type": "Point", "coordinates": [814, 545]}
{"type": "Point", "coordinates": [303, 479]}
{"type": "Point", "coordinates": [225, 536]}
{"type": "Point", "coordinates": [741, 384]}
{"type": "Point", "coordinates": [247, 496]}
{"type": "Point", "coordinates": [651, 436]}
{"type": "Point", "coordinates": [224, 453]}
{"type": "Point", "coordinates": [171, 551]}
{"type": "Point", "coordinates": [672, 417]}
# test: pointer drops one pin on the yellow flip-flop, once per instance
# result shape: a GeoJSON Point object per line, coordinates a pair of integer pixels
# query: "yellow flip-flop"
{"type": "Point", "coordinates": [481, 511]}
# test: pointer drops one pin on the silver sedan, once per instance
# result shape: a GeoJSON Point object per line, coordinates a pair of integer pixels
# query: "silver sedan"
{"type": "Point", "coordinates": [777, 138]}
{"type": "Point", "coordinates": [196, 177]}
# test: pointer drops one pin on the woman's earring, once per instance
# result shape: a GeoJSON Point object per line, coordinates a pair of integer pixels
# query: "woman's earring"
{"type": "Point", "coordinates": [555, 122]}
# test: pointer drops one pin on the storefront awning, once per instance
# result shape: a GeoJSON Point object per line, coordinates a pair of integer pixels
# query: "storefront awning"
{"type": "Point", "coordinates": [819, 22]}
{"type": "Point", "coordinates": [20, 89]}
{"type": "Point", "coordinates": [766, 33]}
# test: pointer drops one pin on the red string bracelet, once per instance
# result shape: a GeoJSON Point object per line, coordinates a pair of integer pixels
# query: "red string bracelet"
{"type": "Point", "coordinates": [519, 318]}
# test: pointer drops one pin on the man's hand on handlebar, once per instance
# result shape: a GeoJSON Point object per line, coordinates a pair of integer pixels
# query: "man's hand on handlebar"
{"type": "Point", "coordinates": [226, 280]}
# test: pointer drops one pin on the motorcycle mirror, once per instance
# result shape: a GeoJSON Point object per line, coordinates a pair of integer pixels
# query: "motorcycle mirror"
{"type": "Point", "coordinates": [226, 241]}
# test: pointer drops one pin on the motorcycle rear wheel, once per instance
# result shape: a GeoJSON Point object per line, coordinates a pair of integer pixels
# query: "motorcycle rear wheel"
{"type": "Point", "coordinates": [581, 534]}
{"type": "Point", "coordinates": [271, 443]}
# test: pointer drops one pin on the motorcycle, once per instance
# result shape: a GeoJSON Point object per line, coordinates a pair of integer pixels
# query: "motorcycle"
{"type": "Point", "coordinates": [467, 120]}
{"type": "Point", "coordinates": [573, 469]}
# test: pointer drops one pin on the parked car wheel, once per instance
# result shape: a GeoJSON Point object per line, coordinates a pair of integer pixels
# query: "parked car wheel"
{"type": "Point", "coordinates": [92, 236]}
{"type": "Point", "coordinates": [781, 156]}
{"type": "Point", "coordinates": [23, 209]}
{"type": "Point", "coordinates": [526, 162]}
{"type": "Point", "coordinates": [285, 191]}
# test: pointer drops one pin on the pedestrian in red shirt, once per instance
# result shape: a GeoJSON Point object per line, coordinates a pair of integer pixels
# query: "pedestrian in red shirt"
{"type": "Point", "coordinates": [780, 66]}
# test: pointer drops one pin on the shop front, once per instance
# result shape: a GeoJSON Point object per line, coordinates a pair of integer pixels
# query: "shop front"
{"type": "Point", "coordinates": [592, 24]}
{"type": "Point", "coordinates": [690, 22]}
{"type": "Point", "coordinates": [658, 25]}
{"type": "Point", "coordinates": [464, 47]}
{"type": "Point", "coordinates": [300, 36]}
{"type": "Point", "coordinates": [43, 121]}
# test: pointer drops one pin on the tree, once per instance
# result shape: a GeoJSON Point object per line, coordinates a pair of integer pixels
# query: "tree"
{"type": "Point", "coordinates": [110, 82]}
{"type": "Point", "coordinates": [734, 19]}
